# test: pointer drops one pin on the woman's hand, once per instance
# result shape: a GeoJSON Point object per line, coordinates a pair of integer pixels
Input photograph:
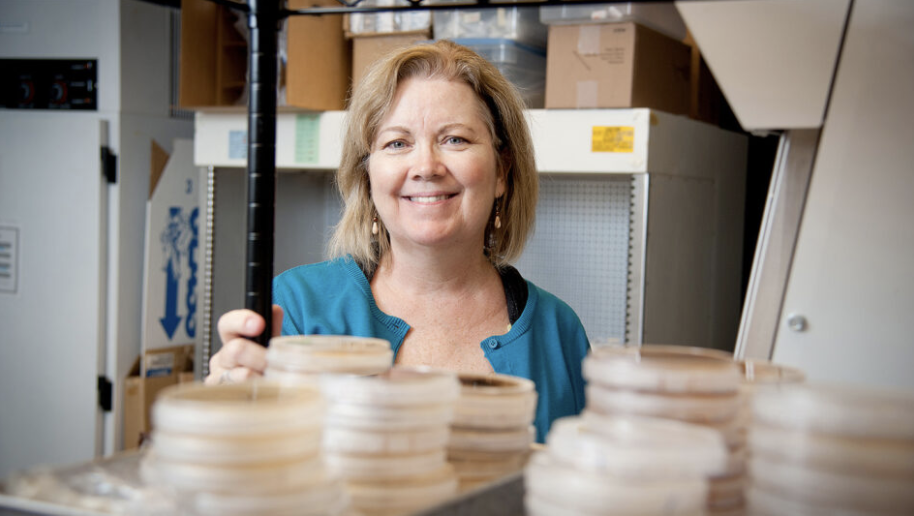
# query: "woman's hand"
{"type": "Point", "coordinates": [241, 358]}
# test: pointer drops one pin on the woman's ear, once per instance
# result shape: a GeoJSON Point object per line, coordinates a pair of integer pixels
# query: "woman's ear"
{"type": "Point", "coordinates": [501, 181]}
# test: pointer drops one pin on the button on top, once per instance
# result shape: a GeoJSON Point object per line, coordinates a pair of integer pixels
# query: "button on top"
{"type": "Point", "coordinates": [492, 343]}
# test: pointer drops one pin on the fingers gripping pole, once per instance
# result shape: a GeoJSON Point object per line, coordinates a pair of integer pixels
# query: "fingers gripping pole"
{"type": "Point", "coordinates": [263, 22]}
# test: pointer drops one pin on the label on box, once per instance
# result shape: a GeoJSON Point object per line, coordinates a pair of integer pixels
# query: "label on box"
{"type": "Point", "coordinates": [159, 364]}
{"type": "Point", "coordinates": [613, 139]}
{"type": "Point", "coordinates": [238, 145]}
{"type": "Point", "coordinates": [307, 139]}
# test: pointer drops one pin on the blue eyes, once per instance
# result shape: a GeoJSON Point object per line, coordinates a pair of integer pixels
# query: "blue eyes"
{"type": "Point", "coordinates": [401, 144]}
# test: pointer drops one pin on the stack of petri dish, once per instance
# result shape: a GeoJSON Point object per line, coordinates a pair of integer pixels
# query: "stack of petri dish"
{"type": "Point", "coordinates": [692, 385]}
{"type": "Point", "coordinates": [386, 436]}
{"type": "Point", "coordinates": [241, 450]}
{"type": "Point", "coordinates": [623, 466]}
{"type": "Point", "coordinates": [492, 431]}
{"type": "Point", "coordinates": [831, 450]}
{"type": "Point", "coordinates": [302, 359]}
{"type": "Point", "coordinates": [757, 375]}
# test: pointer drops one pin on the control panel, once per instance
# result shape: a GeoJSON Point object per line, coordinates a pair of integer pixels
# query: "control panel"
{"type": "Point", "coordinates": [49, 84]}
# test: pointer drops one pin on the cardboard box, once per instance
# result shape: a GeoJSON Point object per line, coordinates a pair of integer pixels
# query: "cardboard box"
{"type": "Point", "coordinates": [214, 55]}
{"type": "Point", "coordinates": [320, 59]}
{"type": "Point", "coordinates": [369, 48]}
{"type": "Point", "coordinates": [154, 371]}
{"type": "Point", "coordinates": [707, 102]}
{"type": "Point", "coordinates": [616, 65]}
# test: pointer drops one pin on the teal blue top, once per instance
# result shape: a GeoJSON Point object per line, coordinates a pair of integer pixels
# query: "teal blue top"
{"type": "Point", "coordinates": [546, 344]}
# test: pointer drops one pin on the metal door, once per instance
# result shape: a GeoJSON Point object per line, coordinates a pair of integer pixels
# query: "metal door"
{"type": "Point", "coordinates": [52, 320]}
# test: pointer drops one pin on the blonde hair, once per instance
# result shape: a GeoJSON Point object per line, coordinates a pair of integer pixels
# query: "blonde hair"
{"type": "Point", "coordinates": [503, 111]}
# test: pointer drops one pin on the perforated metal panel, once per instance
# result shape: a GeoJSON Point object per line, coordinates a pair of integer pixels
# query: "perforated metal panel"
{"type": "Point", "coordinates": [579, 251]}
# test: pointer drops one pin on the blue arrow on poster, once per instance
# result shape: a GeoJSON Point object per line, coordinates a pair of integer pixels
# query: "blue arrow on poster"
{"type": "Point", "coordinates": [174, 239]}
{"type": "Point", "coordinates": [171, 320]}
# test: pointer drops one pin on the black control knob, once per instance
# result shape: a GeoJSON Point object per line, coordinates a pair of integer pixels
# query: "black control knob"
{"type": "Point", "coordinates": [26, 91]}
{"type": "Point", "coordinates": [58, 92]}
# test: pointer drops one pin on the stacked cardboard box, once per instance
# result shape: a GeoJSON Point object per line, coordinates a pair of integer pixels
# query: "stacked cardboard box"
{"type": "Point", "coordinates": [152, 372]}
{"type": "Point", "coordinates": [214, 53]}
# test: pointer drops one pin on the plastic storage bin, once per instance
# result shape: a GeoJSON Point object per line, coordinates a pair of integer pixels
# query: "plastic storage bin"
{"type": "Point", "coordinates": [523, 65]}
{"type": "Point", "coordinates": [388, 22]}
{"type": "Point", "coordinates": [662, 17]}
{"type": "Point", "coordinates": [520, 24]}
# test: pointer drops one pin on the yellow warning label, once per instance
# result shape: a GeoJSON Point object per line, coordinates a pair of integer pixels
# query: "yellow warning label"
{"type": "Point", "coordinates": [613, 139]}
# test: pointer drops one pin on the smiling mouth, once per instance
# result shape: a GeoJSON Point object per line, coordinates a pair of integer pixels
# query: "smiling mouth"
{"type": "Point", "coordinates": [429, 199]}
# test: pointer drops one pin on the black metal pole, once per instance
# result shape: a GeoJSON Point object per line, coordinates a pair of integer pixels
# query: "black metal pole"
{"type": "Point", "coordinates": [263, 20]}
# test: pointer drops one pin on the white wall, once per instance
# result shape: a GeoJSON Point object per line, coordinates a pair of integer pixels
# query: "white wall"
{"type": "Point", "coordinates": [853, 269]}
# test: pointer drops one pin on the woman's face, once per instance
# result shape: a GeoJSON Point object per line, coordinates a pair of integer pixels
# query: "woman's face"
{"type": "Point", "coordinates": [433, 168]}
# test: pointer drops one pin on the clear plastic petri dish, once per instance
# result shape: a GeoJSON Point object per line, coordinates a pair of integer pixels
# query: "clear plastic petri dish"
{"type": "Point", "coordinates": [589, 492]}
{"type": "Point", "coordinates": [760, 502]}
{"type": "Point", "coordinates": [852, 454]}
{"type": "Point", "coordinates": [486, 440]}
{"type": "Point", "coordinates": [275, 374]}
{"type": "Point", "coordinates": [381, 418]}
{"type": "Point", "coordinates": [838, 410]}
{"type": "Point", "coordinates": [339, 439]}
{"type": "Point", "coordinates": [495, 401]}
{"type": "Point", "coordinates": [397, 387]}
{"type": "Point", "coordinates": [637, 447]}
{"type": "Point", "coordinates": [826, 488]}
{"type": "Point", "coordinates": [324, 499]}
{"type": "Point", "coordinates": [373, 467]}
{"type": "Point", "coordinates": [727, 492]}
{"type": "Point", "coordinates": [329, 353]}
{"type": "Point", "coordinates": [237, 450]}
{"type": "Point", "coordinates": [258, 478]}
{"type": "Point", "coordinates": [397, 494]}
{"type": "Point", "coordinates": [706, 408]}
{"type": "Point", "coordinates": [249, 408]}
{"type": "Point", "coordinates": [667, 369]}
{"type": "Point", "coordinates": [764, 372]}
{"type": "Point", "coordinates": [488, 465]}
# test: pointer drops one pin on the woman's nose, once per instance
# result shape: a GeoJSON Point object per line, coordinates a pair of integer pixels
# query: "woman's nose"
{"type": "Point", "coordinates": [428, 163]}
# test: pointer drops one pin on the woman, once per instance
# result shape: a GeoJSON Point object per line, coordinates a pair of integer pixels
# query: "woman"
{"type": "Point", "coordinates": [439, 186]}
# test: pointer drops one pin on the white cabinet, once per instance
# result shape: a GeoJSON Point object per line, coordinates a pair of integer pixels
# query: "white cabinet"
{"type": "Point", "coordinates": [639, 224]}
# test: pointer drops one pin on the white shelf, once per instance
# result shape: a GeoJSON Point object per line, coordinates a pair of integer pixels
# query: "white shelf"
{"type": "Point", "coordinates": [562, 139]}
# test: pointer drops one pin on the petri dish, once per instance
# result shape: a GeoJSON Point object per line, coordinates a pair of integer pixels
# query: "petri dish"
{"type": "Point", "coordinates": [397, 494]}
{"type": "Point", "coordinates": [495, 401]}
{"type": "Point", "coordinates": [338, 439]}
{"type": "Point", "coordinates": [836, 453]}
{"type": "Point", "coordinates": [492, 440]}
{"type": "Point", "coordinates": [329, 353]}
{"type": "Point", "coordinates": [575, 490]}
{"type": "Point", "coordinates": [727, 492]}
{"type": "Point", "coordinates": [370, 467]}
{"type": "Point", "coordinates": [637, 447]}
{"type": "Point", "coordinates": [398, 386]}
{"type": "Point", "coordinates": [838, 410]}
{"type": "Point", "coordinates": [764, 372]}
{"type": "Point", "coordinates": [275, 374]}
{"type": "Point", "coordinates": [706, 408]}
{"type": "Point", "coordinates": [386, 418]}
{"type": "Point", "coordinates": [259, 478]}
{"type": "Point", "coordinates": [826, 488]}
{"type": "Point", "coordinates": [668, 369]}
{"type": "Point", "coordinates": [489, 465]}
{"type": "Point", "coordinates": [760, 502]}
{"type": "Point", "coordinates": [325, 499]}
{"type": "Point", "coordinates": [249, 408]}
{"type": "Point", "coordinates": [236, 450]}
